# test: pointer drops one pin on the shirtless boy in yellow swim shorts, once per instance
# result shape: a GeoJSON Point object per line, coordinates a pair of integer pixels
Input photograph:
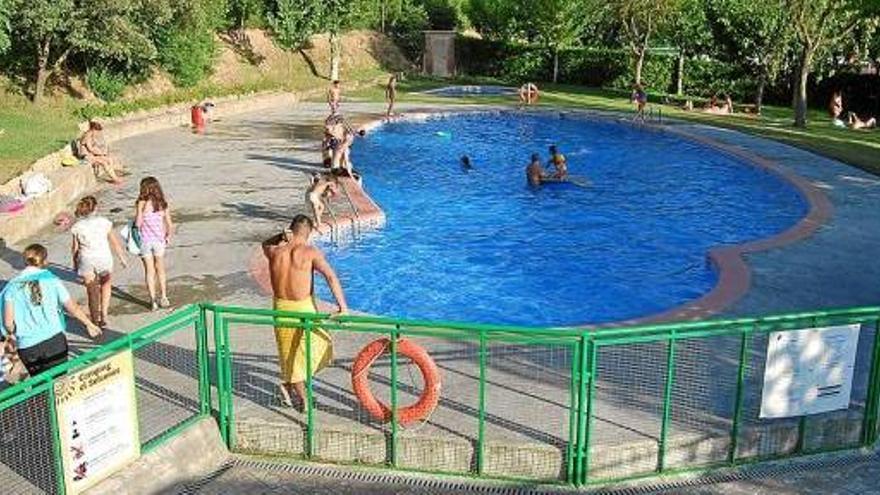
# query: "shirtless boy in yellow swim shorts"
{"type": "Point", "coordinates": [292, 263]}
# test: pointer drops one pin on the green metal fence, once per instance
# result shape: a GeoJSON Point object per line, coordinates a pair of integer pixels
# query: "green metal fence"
{"type": "Point", "coordinates": [580, 406]}
{"type": "Point", "coordinates": [567, 405]}
{"type": "Point", "coordinates": [171, 369]}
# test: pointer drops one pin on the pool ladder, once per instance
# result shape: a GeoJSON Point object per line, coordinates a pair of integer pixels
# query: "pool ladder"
{"type": "Point", "coordinates": [335, 229]}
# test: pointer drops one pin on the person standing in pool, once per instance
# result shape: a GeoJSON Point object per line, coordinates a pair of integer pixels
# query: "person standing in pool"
{"type": "Point", "coordinates": [535, 171]}
{"type": "Point", "coordinates": [293, 262]}
{"type": "Point", "coordinates": [557, 160]}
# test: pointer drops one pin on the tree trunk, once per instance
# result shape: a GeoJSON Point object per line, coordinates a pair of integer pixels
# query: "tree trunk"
{"type": "Point", "coordinates": [555, 66]}
{"type": "Point", "coordinates": [800, 90]}
{"type": "Point", "coordinates": [759, 95]}
{"type": "Point", "coordinates": [679, 75]}
{"type": "Point", "coordinates": [42, 71]}
{"type": "Point", "coordinates": [334, 56]}
{"type": "Point", "coordinates": [640, 62]}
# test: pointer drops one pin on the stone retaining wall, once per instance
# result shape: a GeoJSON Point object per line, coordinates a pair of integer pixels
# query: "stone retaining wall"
{"type": "Point", "coordinates": [71, 183]}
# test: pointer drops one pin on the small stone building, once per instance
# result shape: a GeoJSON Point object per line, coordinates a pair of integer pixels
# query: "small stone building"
{"type": "Point", "coordinates": [439, 57]}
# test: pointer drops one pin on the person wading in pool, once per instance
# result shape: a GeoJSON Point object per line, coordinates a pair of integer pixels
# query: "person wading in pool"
{"type": "Point", "coordinates": [535, 171]}
{"type": "Point", "coordinates": [557, 160]}
{"type": "Point", "coordinates": [292, 264]}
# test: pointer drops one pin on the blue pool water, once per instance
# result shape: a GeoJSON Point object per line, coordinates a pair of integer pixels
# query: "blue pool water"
{"type": "Point", "coordinates": [484, 247]}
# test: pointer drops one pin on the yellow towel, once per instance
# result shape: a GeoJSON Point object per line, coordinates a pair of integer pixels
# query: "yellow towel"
{"type": "Point", "coordinates": [291, 342]}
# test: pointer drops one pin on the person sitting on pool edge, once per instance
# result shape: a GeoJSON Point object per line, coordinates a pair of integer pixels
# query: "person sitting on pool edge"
{"type": "Point", "coordinates": [535, 171]}
{"type": "Point", "coordinates": [557, 160]}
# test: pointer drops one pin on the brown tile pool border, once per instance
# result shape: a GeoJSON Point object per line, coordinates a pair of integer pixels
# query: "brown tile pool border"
{"type": "Point", "coordinates": [734, 273]}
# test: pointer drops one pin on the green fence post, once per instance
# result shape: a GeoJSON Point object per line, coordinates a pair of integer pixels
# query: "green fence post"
{"type": "Point", "coordinates": [588, 382]}
{"type": "Point", "coordinates": [227, 371]}
{"type": "Point", "coordinates": [581, 409]}
{"type": "Point", "coordinates": [395, 334]}
{"type": "Point", "coordinates": [201, 329]}
{"type": "Point", "coordinates": [740, 386]}
{"type": "Point", "coordinates": [56, 441]}
{"type": "Point", "coordinates": [573, 411]}
{"type": "Point", "coordinates": [481, 418]}
{"type": "Point", "coordinates": [219, 365]}
{"type": "Point", "coordinates": [872, 401]}
{"type": "Point", "coordinates": [310, 414]}
{"type": "Point", "coordinates": [667, 402]}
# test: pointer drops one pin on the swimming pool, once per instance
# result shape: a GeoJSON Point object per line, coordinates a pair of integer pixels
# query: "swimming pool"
{"type": "Point", "coordinates": [483, 246]}
{"type": "Point", "coordinates": [472, 91]}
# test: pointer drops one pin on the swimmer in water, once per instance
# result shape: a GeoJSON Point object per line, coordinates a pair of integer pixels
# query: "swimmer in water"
{"type": "Point", "coordinates": [466, 163]}
{"type": "Point", "coordinates": [535, 171]}
{"type": "Point", "coordinates": [557, 160]}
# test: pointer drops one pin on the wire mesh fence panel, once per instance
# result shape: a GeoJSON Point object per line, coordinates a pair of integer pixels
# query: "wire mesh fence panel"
{"type": "Point", "coordinates": [528, 404]}
{"type": "Point", "coordinates": [627, 409]}
{"type": "Point", "coordinates": [703, 398]}
{"type": "Point", "coordinates": [262, 423]}
{"type": "Point", "coordinates": [444, 439]}
{"type": "Point", "coordinates": [843, 428]}
{"type": "Point", "coordinates": [345, 431]}
{"type": "Point", "coordinates": [27, 459]}
{"type": "Point", "coordinates": [759, 437]}
{"type": "Point", "coordinates": [167, 383]}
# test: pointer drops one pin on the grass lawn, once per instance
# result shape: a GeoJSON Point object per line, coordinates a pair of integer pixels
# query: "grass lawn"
{"type": "Point", "coordinates": [29, 132]}
{"type": "Point", "coordinates": [860, 148]}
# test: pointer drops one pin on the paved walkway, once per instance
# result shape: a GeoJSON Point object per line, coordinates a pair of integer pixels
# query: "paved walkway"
{"type": "Point", "coordinates": [853, 478]}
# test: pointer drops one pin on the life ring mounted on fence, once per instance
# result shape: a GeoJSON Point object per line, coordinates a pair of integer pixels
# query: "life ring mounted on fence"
{"type": "Point", "coordinates": [412, 413]}
{"type": "Point", "coordinates": [528, 93]}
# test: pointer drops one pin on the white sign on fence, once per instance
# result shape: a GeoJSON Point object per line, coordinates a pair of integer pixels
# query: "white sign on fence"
{"type": "Point", "coordinates": [809, 371]}
{"type": "Point", "coordinates": [97, 421]}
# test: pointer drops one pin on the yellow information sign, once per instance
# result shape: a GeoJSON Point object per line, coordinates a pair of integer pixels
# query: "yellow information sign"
{"type": "Point", "coordinates": [97, 421]}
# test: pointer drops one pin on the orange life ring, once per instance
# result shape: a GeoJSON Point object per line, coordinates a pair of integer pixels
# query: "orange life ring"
{"type": "Point", "coordinates": [408, 414]}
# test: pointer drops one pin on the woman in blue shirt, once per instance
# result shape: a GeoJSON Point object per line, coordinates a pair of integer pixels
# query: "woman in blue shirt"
{"type": "Point", "coordinates": [32, 313]}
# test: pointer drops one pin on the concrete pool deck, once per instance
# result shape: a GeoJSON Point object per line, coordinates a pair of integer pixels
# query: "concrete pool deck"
{"type": "Point", "coordinates": [245, 178]}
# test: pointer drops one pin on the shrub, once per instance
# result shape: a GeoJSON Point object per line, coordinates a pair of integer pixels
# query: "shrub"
{"type": "Point", "coordinates": [187, 54]}
{"type": "Point", "coordinates": [528, 65]}
{"type": "Point", "coordinates": [406, 29]}
{"type": "Point", "coordinates": [658, 73]}
{"type": "Point", "coordinates": [105, 83]}
{"type": "Point", "coordinates": [480, 57]}
{"type": "Point", "coordinates": [592, 67]}
{"type": "Point", "coordinates": [443, 14]}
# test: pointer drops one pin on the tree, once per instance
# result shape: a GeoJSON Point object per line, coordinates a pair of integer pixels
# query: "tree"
{"type": "Point", "coordinates": [689, 32]}
{"type": "Point", "coordinates": [559, 24]}
{"type": "Point", "coordinates": [821, 26]}
{"type": "Point", "coordinates": [336, 18]}
{"type": "Point", "coordinates": [108, 30]}
{"type": "Point", "coordinates": [49, 26]}
{"type": "Point", "coordinates": [240, 11]}
{"type": "Point", "coordinates": [295, 21]}
{"type": "Point", "coordinates": [756, 36]}
{"type": "Point", "coordinates": [4, 26]}
{"type": "Point", "coordinates": [640, 20]}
